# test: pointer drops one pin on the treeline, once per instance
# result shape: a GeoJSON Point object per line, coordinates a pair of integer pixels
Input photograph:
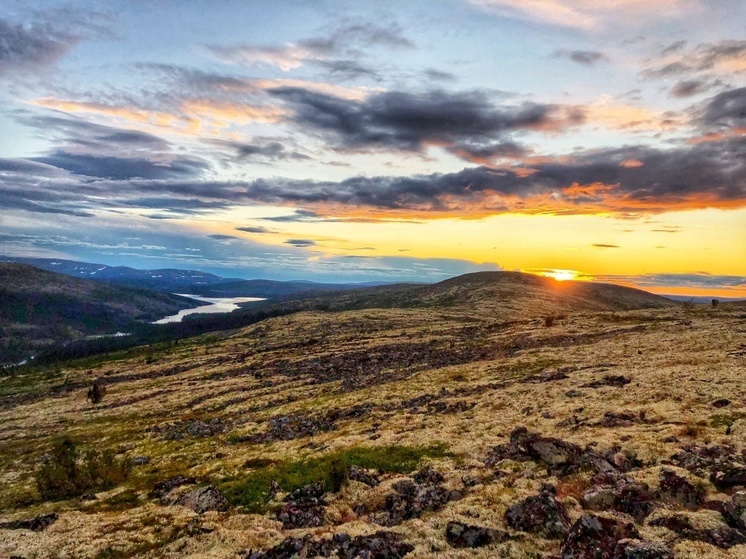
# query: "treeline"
{"type": "Point", "coordinates": [147, 334]}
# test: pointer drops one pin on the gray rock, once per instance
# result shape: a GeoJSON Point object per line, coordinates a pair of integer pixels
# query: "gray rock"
{"type": "Point", "coordinates": [203, 499]}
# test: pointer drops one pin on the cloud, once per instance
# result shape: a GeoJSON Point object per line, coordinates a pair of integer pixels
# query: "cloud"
{"type": "Point", "coordinates": [726, 110]}
{"type": "Point", "coordinates": [585, 57]}
{"type": "Point", "coordinates": [271, 150]}
{"type": "Point", "coordinates": [295, 217]}
{"type": "Point", "coordinates": [349, 40]}
{"type": "Point", "coordinates": [600, 245]}
{"type": "Point", "coordinates": [31, 47]}
{"type": "Point", "coordinates": [303, 243]}
{"type": "Point", "coordinates": [710, 174]}
{"type": "Point", "coordinates": [439, 75]}
{"type": "Point", "coordinates": [687, 88]}
{"type": "Point", "coordinates": [399, 120]}
{"type": "Point", "coordinates": [589, 14]}
{"type": "Point", "coordinates": [347, 69]}
{"type": "Point", "coordinates": [120, 168]}
{"type": "Point", "coordinates": [222, 237]}
{"type": "Point", "coordinates": [255, 229]}
{"type": "Point", "coordinates": [723, 58]}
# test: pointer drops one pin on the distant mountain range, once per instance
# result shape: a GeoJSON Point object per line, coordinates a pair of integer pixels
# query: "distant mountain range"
{"type": "Point", "coordinates": [171, 280]}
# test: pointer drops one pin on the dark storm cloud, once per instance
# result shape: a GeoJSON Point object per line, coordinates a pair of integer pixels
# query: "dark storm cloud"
{"type": "Point", "coordinates": [407, 121]}
{"type": "Point", "coordinates": [120, 168]}
{"type": "Point", "coordinates": [79, 132]}
{"type": "Point", "coordinates": [302, 243]}
{"type": "Point", "coordinates": [727, 109]}
{"type": "Point", "coordinates": [31, 47]}
{"type": "Point", "coordinates": [272, 150]}
{"type": "Point", "coordinates": [505, 149]}
{"type": "Point", "coordinates": [710, 171]}
{"type": "Point", "coordinates": [585, 57]}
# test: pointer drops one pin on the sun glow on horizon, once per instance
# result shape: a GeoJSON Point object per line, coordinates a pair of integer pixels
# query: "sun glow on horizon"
{"type": "Point", "coordinates": [558, 274]}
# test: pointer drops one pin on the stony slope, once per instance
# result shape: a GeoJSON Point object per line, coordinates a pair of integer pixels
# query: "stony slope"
{"type": "Point", "coordinates": [607, 425]}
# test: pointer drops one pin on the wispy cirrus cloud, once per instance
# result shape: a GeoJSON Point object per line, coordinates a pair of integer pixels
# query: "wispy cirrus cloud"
{"type": "Point", "coordinates": [589, 14]}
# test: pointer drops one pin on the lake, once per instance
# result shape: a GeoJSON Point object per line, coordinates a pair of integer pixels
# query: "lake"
{"type": "Point", "coordinates": [215, 305]}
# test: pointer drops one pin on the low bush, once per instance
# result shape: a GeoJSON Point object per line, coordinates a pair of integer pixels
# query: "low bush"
{"type": "Point", "coordinates": [253, 492]}
{"type": "Point", "coordinates": [66, 473]}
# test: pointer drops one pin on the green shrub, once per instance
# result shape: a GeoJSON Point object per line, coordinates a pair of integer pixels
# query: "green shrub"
{"type": "Point", "coordinates": [253, 492]}
{"type": "Point", "coordinates": [65, 474]}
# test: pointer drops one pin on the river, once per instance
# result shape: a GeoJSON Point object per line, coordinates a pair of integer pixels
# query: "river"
{"type": "Point", "coordinates": [216, 305]}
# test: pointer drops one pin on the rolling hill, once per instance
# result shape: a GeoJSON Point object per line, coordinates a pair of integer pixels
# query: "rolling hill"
{"type": "Point", "coordinates": [416, 421]}
{"type": "Point", "coordinates": [41, 307]}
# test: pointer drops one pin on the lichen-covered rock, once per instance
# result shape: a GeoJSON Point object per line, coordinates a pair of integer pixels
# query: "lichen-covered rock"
{"type": "Point", "coordinates": [301, 516]}
{"type": "Point", "coordinates": [540, 514]}
{"type": "Point", "coordinates": [596, 537]}
{"type": "Point", "coordinates": [363, 476]}
{"type": "Point", "coordinates": [560, 457]}
{"type": "Point", "coordinates": [599, 497]}
{"type": "Point", "coordinates": [163, 488]}
{"type": "Point", "coordinates": [381, 545]}
{"type": "Point", "coordinates": [459, 534]}
{"type": "Point", "coordinates": [36, 524]}
{"type": "Point", "coordinates": [409, 500]}
{"type": "Point", "coordinates": [729, 476]}
{"type": "Point", "coordinates": [311, 494]}
{"type": "Point", "coordinates": [724, 537]}
{"type": "Point", "coordinates": [642, 549]}
{"type": "Point", "coordinates": [428, 476]}
{"type": "Point", "coordinates": [289, 427]}
{"type": "Point", "coordinates": [674, 488]}
{"type": "Point", "coordinates": [203, 499]}
{"type": "Point", "coordinates": [635, 499]}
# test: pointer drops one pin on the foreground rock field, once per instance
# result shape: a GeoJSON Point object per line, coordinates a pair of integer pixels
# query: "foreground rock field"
{"type": "Point", "coordinates": [400, 432]}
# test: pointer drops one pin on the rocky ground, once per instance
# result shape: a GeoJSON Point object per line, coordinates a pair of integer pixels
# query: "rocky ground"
{"type": "Point", "coordinates": [397, 433]}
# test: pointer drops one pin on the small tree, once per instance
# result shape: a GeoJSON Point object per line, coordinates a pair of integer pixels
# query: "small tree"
{"type": "Point", "coordinates": [715, 303]}
{"type": "Point", "coordinates": [59, 476]}
{"type": "Point", "coordinates": [96, 392]}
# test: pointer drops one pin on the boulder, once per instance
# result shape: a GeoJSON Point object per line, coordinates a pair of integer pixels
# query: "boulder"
{"type": "Point", "coordinates": [541, 514]}
{"type": "Point", "coordinates": [459, 534]}
{"type": "Point", "coordinates": [596, 537]}
{"type": "Point", "coordinates": [203, 499]}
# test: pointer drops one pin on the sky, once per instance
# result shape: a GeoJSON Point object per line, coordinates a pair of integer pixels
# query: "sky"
{"type": "Point", "coordinates": [380, 141]}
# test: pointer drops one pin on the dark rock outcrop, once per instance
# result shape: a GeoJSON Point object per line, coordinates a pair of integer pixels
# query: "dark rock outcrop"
{"type": "Point", "coordinates": [163, 488]}
{"type": "Point", "coordinates": [596, 537]}
{"type": "Point", "coordinates": [381, 545]}
{"type": "Point", "coordinates": [459, 534]}
{"type": "Point", "coordinates": [674, 488]}
{"type": "Point", "coordinates": [295, 515]}
{"type": "Point", "coordinates": [560, 457]}
{"type": "Point", "coordinates": [541, 514]}
{"type": "Point", "coordinates": [289, 427]}
{"type": "Point", "coordinates": [723, 537]}
{"type": "Point", "coordinates": [37, 523]}
{"type": "Point", "coordinates": [410, 499]}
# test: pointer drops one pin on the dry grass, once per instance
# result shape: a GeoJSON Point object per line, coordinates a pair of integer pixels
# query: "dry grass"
{"type": "Point", "coordinates": [677, 361]}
